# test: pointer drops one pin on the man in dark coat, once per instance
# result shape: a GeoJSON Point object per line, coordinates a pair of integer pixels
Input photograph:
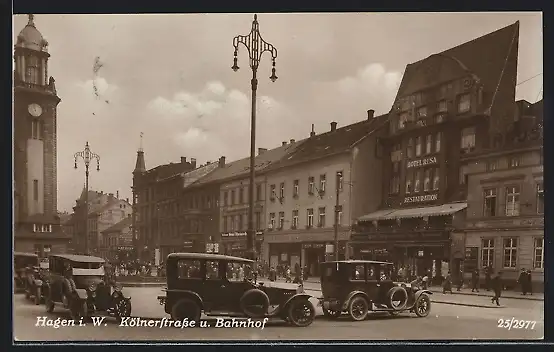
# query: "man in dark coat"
{"type": "Point", "coordinates": [497, 286]}
{"type": "Point", "coordinates": [522, 281]}
{"type": "Point", "coordinates": [529, 282]}
{"type": "Point", "coordinates": [475, 281]}
{"type": "Point", "coordinates": [460, 280]}
{"type": "Point", "coordinates": [488, 273]}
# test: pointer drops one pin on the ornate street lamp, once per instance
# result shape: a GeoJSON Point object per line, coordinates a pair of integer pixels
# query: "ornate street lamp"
{"type": "Point", "coordinates": [255, 46]}
{"type": "Point", "coordinates": [87, 157]}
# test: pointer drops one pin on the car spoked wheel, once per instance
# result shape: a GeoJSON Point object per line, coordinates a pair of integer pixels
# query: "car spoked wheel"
{"type": "Point", "coordinates": [122, 309]}
{"type": "Point", "coordinates": [331, 313]}
{"type": "Point", "coordinates": [301, 312]}
{"type": "Point", "coordinates": [358, 308]}
{"type": "Point", "coordinates": [423, 306]}
{"type": "Point", "coordinates": [186, 308]}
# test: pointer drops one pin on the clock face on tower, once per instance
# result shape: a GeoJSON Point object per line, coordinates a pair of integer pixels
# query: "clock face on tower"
{"type": "Point", "coordinates": [35, 110]}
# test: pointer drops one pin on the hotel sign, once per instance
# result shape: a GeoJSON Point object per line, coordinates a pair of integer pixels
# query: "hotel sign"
{"type": "Point", "coordinates": [419, 199]}
{"type": "Point", "coordinates": [238, 234]}
{"type": "Point", "coordinates": [422, 162]}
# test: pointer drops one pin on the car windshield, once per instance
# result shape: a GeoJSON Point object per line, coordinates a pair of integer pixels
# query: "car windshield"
{"type": "Point", "coordinates": [239, 271]}
{"type": "Point", "coordinates": [86, 265]}
{"type": "Point", "coordinates": [23, 261]}
{"type": "Point", "coordinates": [385, 272]}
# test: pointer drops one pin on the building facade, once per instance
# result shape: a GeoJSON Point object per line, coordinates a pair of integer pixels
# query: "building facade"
{"type": "Point", "coordinates": [505, 214]}
{"type": "Point", "coordinates": [302, 194]}
{"type": "Point", "coordinates": [37, 225]}
{"type": "Point", "coordinates": [118, 240]}
{"type": "Point", "coordinates": [449, 106]}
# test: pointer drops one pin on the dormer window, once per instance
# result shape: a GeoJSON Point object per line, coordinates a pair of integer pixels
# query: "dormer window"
{"type": "Point", "coordinates": [464, 103]}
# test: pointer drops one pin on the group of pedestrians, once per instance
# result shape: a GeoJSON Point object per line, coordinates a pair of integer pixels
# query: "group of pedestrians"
{"type": "Point", "coordinates": [525, 282]}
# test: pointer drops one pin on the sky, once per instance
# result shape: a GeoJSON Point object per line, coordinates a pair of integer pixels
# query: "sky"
{"type": "Point", "coordinates": [169, 77]}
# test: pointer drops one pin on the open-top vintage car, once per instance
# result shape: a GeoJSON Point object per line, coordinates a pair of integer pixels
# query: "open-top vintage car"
{"type": "Point", "coordinates": [36, 282]}
{"type": "Point", "coordinates": [359, 286]}
{"type": "Point", "coordinates": [221, 285]}
{"type": "Point", "coordinates": [79, 283]}
{"type": "Point", "coordinates": [21, 263]}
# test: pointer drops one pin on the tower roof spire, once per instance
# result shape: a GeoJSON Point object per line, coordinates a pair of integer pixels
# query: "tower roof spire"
{"type": "Point", "coordinates": [140, 165]}
{"type": "Point", "coordinates": [31, 20]}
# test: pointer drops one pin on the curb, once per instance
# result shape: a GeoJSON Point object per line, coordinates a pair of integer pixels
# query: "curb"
{"type": "Point", "coordinates": [142, 284]}
{"type": "Point", "coordinates": [466, 304]}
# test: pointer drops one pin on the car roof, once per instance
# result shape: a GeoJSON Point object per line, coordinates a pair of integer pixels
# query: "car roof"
{"type": "Point", "coordinates": [208, 256]}
{"type": "Point", "coordinates": [79, 258]}
{"type": "Point", "coordinates": [24, 254]}
{"type": "Point", "coordinates": [357, 262]}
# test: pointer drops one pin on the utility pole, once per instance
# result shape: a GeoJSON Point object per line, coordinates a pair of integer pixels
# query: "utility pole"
{"type": "Point", "coordinates": [337, 186]}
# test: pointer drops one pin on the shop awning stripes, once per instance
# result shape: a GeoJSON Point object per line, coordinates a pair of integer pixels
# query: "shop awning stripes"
{"type": "Point", "coordinates": [391, 214]}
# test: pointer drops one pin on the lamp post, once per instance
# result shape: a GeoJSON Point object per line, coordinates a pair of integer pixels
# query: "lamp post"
{"type": "Point", "coordinates": [87, 157]}
{"type": "Point", "coordinates": [255, 46]}
{"type": "Point", "coordinates": [337, 210]}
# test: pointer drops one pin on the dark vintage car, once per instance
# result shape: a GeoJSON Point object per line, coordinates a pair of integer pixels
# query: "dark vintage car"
{"type": "Point", "coordinates": [21, 263]}
{"type": "Point", "coordinates": [359, 286]}
{"type": "Point", "coordinates": [36, 282]}
{"type": "Point", "coordinates": [221, 285]}
{"type": "Point", "coordinates": [79, 283]}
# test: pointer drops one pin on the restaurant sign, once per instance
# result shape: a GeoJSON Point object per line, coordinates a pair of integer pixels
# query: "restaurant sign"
{"type": "Point", "coordinates": [419, 199]}
{"type": "Point", "coordinates": [237, 234]}
{"type": "Point", "coordinates": [422, 162]}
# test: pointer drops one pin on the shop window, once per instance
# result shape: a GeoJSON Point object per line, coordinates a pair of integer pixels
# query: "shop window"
{"type": "Point", "coordinates": [281, 220]}
{"type": "Point", "coordinates": [294, 219]}
{"type": "Point", "coordinates": [310, 213]}
{"type": "Point", "coordinates": [188, 269]}
{"type": "Point", "coordinates": [311, 185]}
{"type": "Point", "coordinates": [464, 103]}
{"type": "Point", "coordinates": [321, 222]}
{"type": "Point", "coordinates": [358, 272]}
{"type": "Point", "coordinates": [410, 149]}
{"type": "Point", "coordinates": [538, 257]}
{"type": "Point", "coordinates": [436, 179]}
{"type": "Point", "coordinates": [417, 181]}
{"type": "Point", "coordinates": [212, 270]}
{"type": "Point", "coordinates": [273, 193]}
{"type": "Point", "coordinates": [487, 253]}
{"type": "Point", "coordinates": [510, 252]}
{"type": "Point", "coordinates": [540, 198]}
{"type": "Point", "coordinates": [512, 201]}
{"type": "Point", "coordinates": [271, 220]}
{"type": "Point", "coordinates": [296, 188]}
{"type": "Point", "coordinates": [490, 202]}
{"type": "Point", "coordinates": [468, 139]}
{"type": "Point", "coordinates": [282, 191]}
{"type": "Point", "coordinates": [427, 180]}
{"type": "Point", "coordinates": [438, 142]}
{"type": "Point", "coordinates": [418, 146]}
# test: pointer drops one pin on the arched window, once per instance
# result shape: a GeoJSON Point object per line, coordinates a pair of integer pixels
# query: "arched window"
{"type": "Point", "coordinates": [32, 71]}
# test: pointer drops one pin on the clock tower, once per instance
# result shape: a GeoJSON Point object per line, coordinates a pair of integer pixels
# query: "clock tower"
{"type": "Point", "coordinates": [36, 221]}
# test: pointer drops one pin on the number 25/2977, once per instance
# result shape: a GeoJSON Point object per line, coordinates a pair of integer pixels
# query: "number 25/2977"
{"type": "Point", "coordinates": [516, 324]}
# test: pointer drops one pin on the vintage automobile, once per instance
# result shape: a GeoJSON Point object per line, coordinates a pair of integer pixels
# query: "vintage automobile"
{"type": "Point", "coordinates": [220, 285]}
{"type": "Point", "coordinates": [36, 282]}
{"type": "Point", "coordinates": [79, 283]}
{"type": "Point", "coordinates": [21, 263]}
{"type": "Point", "coordinates": [359, 286]}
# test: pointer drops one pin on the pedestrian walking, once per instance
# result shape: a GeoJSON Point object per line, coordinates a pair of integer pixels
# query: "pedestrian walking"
{"type": "Point", "coordinates": [475, 281]}
{"type": "Point", "coordinates": [522, 281]}
{"type": "Point", "coordinates": [529, 282]}
{"type": "Point", "coordinates": [497, 286]}
{"type": "Point", "coordinates": [447, 284]}
{"type": "Point", "coordinates": [460, 280]}
{"type": "Point", "coordinates": [488, 273]}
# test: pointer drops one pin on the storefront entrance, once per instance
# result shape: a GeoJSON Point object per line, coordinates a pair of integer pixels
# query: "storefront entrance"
{"type": "Point", "coordinates": [314, 256]}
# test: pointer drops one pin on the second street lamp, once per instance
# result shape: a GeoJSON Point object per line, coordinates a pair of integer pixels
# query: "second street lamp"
{"type": "Point", "coordinates": [87, 157]}
{"type": "Point", "coordinates": [255, 46]}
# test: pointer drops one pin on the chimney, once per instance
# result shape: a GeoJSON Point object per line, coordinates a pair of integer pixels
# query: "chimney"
{"type": "Point", "coordinates": [292, 141]}
{"type": "Point", "coordinates": [193, 162]}
{"type": "Point", "coordinates": [222, 161]}
{"type": "Point", "coordinates": [117, 194]}
{"type": "Point", "coordinates": [284, 143]}
{"type": "Point", "coordinates": [313, 131]}
{"type": "Point", "coordinates": [127, 200]}
{"type": "Point", "coordinates": [110, 195]}
{"type": "Point", "coordinates": [183, 160]}
{"type": "Point", "coordinates": [208, 162]}
{"type": "Point", "coordinates": [261, 151]}
{"type": "Point", "coordinates": [370, 114]}
{"type": "Point", "coordinates": [333, 126]}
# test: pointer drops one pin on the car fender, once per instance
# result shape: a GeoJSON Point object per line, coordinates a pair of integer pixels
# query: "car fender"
{"type": "Point", "coordinates": [295, 297]}
{"type": "Point", "coordinates": [187, 294]}
{"type": "Point", "coordinates": [351, 295]}
{"type": "Point", "coordinates": [420, 292]}
{"type": "Point", "coordinates": [119, 293]}
{"type": "Point", "coordinates": [81, 293]}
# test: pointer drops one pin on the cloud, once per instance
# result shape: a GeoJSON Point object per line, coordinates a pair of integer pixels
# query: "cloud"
{"type": "Point", "coordinates": [98, 88]}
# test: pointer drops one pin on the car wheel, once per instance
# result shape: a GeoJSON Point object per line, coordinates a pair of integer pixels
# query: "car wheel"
{"type": "Point", "coordinates": [423, 306]}
{"type": "Point", "coordinates": [122, 309]}
{"type": "Point", "coordinates": [301, 312]}
{"type": "Point", "coordinates": [358, 308]}
{"type": "Point", "coordinates": [254, 303]}
{"type": "Point", "coordinates": [397, 298]}
{"type": "Point", "coordinates": [38, 295]}
{"type": "Point", "coordinates": [78, 309]}
{"type": "Point", "coordinates": [331, 313]}
{"type": "Point", "coordinates": [186, 308]}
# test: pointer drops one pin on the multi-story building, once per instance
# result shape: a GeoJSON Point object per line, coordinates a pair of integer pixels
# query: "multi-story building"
{"type": "Point", "coordinates": [36, 223]}
{"type": "Point", "coordinates": [146, 197]}
{"type": "Point", "coordinates": [302, 193]}
{"type": "Point", "coordinates": [505, 214]}
{"type": "Point", "coordinates": [118, 239]}
{"type": "Point", "coordinates": [232, 181]}
{"type": "Point", "coordinates": [104, 211]}
{"type": "Point", "coordinates": [187, 213]}
{"type": "Point", "coordinates": [449, 106]}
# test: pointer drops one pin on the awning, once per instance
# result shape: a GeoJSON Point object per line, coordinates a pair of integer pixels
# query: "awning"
{"type": "Point", "coordinates": [408, 213]}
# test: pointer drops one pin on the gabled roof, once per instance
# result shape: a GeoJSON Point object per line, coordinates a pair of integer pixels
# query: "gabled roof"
{"type": "Point", "coordinates": [108, 205]}
{"type": "Point", "coordinates": [486, 57]}
{"type": "Point", "coordinates": [119, 226]}
{"type": "Point", "coordinates": [241, 167]}
{"type": "Point", "coordinates": [334, 142]}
